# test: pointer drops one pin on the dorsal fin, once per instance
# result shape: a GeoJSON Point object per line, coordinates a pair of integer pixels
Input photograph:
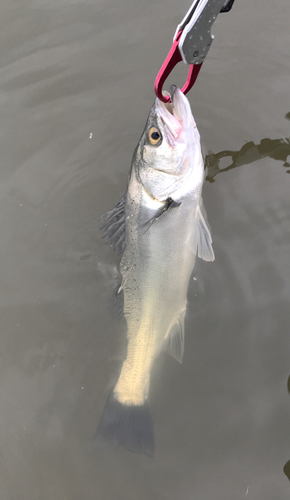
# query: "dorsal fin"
{"type": "Point", "coordinates": [174, 340]}
{"type": "Point", "coordinates": [114, 225]}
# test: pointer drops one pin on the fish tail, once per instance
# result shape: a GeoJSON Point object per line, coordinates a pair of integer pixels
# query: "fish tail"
{"type": "Point", "coordinates": [127, 425]}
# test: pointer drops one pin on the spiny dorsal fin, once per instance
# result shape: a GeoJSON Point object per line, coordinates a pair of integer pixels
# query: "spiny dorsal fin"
{"type": "Point", "coordinates": [114, 225]}
{"type": "Point", "coordinates": [174, 341]}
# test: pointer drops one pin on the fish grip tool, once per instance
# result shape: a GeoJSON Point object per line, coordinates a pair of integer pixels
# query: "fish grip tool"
{"type": "Point", "coordinates": [191, 42]}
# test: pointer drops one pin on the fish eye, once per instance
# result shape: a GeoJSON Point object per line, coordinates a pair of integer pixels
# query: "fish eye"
{"type": "Point", "coordinates": [154, 136]}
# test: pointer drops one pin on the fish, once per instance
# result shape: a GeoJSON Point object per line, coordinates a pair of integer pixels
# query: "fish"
{"type": "Point", "coordinates": [158, 227]}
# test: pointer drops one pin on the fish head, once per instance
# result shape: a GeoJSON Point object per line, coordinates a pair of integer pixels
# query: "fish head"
{"type": "Point", "coordinates": [169, 147]}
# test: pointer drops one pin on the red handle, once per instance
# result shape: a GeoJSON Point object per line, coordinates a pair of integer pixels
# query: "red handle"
{"type": "Point", "coordinates": [172, 59]}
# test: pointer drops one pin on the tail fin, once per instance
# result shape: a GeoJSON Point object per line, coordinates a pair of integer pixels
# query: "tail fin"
{"type": "Point", "coordinates": [127, 425]}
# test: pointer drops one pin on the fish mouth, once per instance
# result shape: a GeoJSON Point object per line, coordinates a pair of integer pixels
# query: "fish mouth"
{"type": "Point", "coordinates": [170, 114]}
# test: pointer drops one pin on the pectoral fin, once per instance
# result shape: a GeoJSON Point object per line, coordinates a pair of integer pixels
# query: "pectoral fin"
{"type": "Point", "coordinates": [203, 240]}
{"type": "Point", "coordinates": [168, 204]}
{"type": "Point", "coordinates": [174, 341]}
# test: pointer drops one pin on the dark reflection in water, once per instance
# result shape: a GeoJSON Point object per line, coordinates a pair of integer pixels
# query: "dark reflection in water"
{"type": "Point", "coordinates": [278, 149]}
{"type": "Point", "coordinates": [286, 467]}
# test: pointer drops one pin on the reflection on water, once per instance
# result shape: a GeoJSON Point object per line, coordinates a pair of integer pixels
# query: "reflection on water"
{"type": "Point", "coordinates": [278, 149]}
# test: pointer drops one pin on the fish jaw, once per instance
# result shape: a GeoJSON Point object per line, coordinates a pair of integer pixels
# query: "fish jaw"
{"type": "Point", "coordinates": [168, 168]}
{"type": "Point", "coordinates": [180, 129]}
{"type": "Point", "coordinates": [176, 115]}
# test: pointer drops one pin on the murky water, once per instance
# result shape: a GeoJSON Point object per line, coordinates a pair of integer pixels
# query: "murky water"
{"type": "Point", "coordinates": [76, 87]}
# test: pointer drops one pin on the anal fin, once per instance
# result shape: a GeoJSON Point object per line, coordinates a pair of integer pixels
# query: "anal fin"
{"type": "Point", "coordinates": [174, 340]}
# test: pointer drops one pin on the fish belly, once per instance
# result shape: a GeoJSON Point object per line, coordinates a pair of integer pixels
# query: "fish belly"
{"type": "Point", "coordinates": [156, 268]}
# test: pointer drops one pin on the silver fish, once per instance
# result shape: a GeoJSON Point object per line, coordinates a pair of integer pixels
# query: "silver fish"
{"type": "Point", "coordinates": [159, 226]}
